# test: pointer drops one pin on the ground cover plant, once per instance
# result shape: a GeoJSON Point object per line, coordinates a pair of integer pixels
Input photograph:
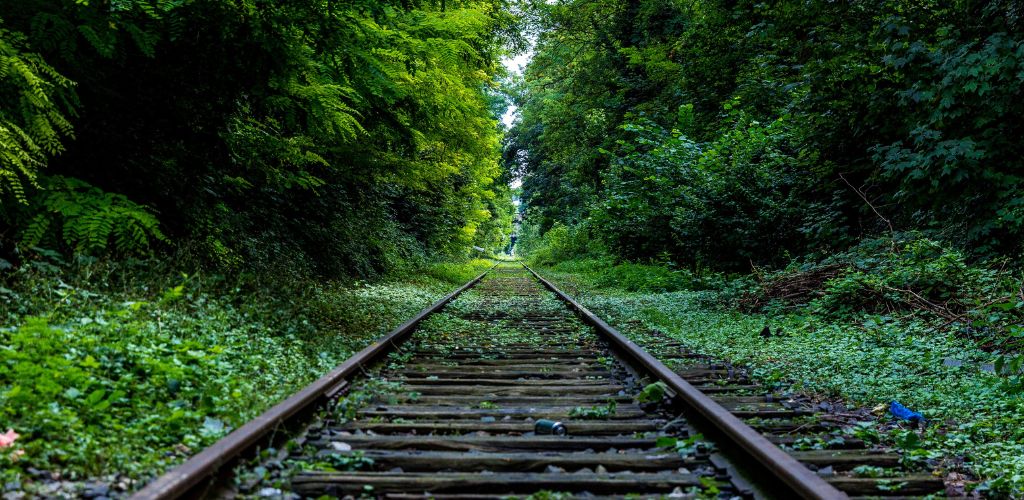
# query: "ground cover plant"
{"type": "Point", "coordinates": [958, 375]}
{"type": "Point", "coordinates": [112, 373]}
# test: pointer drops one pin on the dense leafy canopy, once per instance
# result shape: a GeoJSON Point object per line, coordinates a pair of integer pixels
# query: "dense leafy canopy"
{"type": "Point", "coordinates": [274, 133]}
{"type": "Point", "coordinates": [725, 133]}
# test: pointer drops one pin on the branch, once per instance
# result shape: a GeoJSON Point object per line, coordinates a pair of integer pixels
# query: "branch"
{"type": "Point", "coordinates": [865, 198]}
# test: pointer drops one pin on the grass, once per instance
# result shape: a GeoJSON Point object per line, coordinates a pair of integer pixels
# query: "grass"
{"type": "Point", "coordinates": [454, 272]}
{"type": "Point", "coordinates": [626, 276]}
{"type": "Point", "coordinates": [115, 373]}
{"type": "Point", "coordinates": [866, 359]}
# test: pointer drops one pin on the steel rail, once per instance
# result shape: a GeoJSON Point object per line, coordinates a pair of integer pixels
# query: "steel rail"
{"type": "Point", "coordinates": [802, 480]}
{"type": "Point", "coordinates": [182, 479]}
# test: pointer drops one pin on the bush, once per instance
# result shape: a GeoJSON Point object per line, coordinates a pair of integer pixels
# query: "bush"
{"type": "Point", "coordinates": [723, 204]}
{"type": "Point", "coordinates": [563, 243]}
{"type": "Point", "coordinates": [627, 276]}
{"type": "Point", "coordinates": [458, 272]}
{"type": "Point", "coordinates": [903, 274]}
{"type": "Point", "coordinates": [908, 272]}
{"type": "Point", "coordinates": [645, 278]}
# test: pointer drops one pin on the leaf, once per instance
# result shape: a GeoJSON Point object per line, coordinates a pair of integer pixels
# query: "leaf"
{"type": "Point", "coordinates": [212, 427]}
{"type": "Point", "coordinates": [652, 393]}
{"type": "Point", "coordinates": [90, 362]}
{"type": "Point", "coordinates": [95, 397]}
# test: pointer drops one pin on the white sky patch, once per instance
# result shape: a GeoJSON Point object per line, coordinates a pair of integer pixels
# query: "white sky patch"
{"type": "Point", "coordinates": [518, 63]}
{"type": "Point", "coordinates": [515, 66]}
{"type": "Point", "coordinates": [510, 116]}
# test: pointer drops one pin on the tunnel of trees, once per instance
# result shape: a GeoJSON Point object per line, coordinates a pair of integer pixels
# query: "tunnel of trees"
{"type": "Point", "coordinates": [205, 204]}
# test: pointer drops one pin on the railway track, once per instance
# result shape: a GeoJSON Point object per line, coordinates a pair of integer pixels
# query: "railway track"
{"type": "Point", "coordinates": [513, 389]}
{"type": "Point", "coordinates": [825, 442]}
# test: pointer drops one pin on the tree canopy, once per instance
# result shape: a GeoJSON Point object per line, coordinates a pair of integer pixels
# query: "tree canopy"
{"type": "Point", "coordinates": [342, 137]}
{"type": "Point", "coordinates": [731, 133]}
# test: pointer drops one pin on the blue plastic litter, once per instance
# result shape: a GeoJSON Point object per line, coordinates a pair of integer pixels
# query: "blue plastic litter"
{"type": "Point", "coordinates": [903, 413]}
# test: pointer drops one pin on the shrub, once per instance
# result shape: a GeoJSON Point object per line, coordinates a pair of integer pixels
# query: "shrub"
{"type": "Point", "coordinates": [903, 274]}
{"type": "Point", "coordinates": [723, 203]}
{"type": "Point", "coordinates": [907, 272]}
{"type": "Point", "coordinates": [645, 278]}
{"type": "Point", "coordinates": [73, 213]}
{"type": "Point", "coordinates": [562, 243]}
{"type": "Point", "coordinates": [458, 272]}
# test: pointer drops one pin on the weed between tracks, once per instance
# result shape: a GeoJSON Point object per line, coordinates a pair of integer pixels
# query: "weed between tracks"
{"type": "Point", "coordinates": [471, 320]}
{"type": "Point", "coordinates": [594, 412]}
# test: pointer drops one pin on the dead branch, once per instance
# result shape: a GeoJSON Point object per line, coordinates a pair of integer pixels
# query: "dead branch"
{"type": "Point", "coordinates": [864, 197]}
{"type": "Point", "coordinates": [792, 288]}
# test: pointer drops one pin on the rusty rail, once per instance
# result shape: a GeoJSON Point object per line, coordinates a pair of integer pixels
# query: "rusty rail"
{"type": "Point", "coordinates": [181, 480]}
{"type": "Point", "coordinates": [802, 480]}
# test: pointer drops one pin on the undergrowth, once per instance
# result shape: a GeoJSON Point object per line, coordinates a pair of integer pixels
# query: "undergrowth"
{"type": "Point", "coordinates": [115, 372]}
{"type": "Point", "coordinates": [902, 319]}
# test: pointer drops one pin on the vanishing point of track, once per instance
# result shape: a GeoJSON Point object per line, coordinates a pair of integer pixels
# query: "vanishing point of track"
{"type": "Point", "coordinates": [459, 416]}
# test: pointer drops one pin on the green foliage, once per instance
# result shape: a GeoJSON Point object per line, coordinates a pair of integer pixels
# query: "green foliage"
{"type": "Point", "coordinates": [33, 118]}
{"type": "Point", "coordinates": [549, 495]}
{"type": "Point", "coordinates": [887, 274]}
{"type": "Point", "coordinates": [603, 272]}
{"type": "Point", "coordinates": [458, 273]}
{"type": "Point", "coordinates": [712, 134]}
{"type": "Point", "coordinates": [904, 275]}
{"type": "Point", "coordinates": [872, 471]}
{"type": "Point", "coordinates": [867, 362]}
{"type": "Point", "coordinates": [128, 368]}
{"type": "Point", "coordinates": [562, 243]}
{"type": "Point", "coordinates": [684, 446]}
{"type": "Point", "coordinates": [645, 278]}
{"type": "Point", "coordinates": [597, 412]}
{"type": "Point", "coordinates": [73, 213]}
{"type": "Point", "coordinates": [349, 139]}
{"type": "Point", "coordinates": [345, 462]}
{"type": "Point", "coordinates": [652, 393]}
{"type": "Point", "coordinates": [727, 202]}
{"type": "Point", "coordinates": [962, 99]}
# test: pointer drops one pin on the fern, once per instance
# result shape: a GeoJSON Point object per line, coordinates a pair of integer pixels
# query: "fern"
{"type": "Point", "coordinates": [103, 41]}
{"type": "Point", "coordinates": [145, 41]}
{"type": "Point", "coordinates": [89, 220]}
{"type": "Point", "coordinates": [269, 156]}
{"type": "Point", "coordinates": [35, 99]}
{"type": "Point", "coordinates": [32, 125]}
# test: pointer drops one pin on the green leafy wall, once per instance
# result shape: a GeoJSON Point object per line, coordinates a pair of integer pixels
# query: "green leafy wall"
{"type": "Point", "coordinates": [334, 137]}
{"type": "Point", "coordinates": [732, 133]}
